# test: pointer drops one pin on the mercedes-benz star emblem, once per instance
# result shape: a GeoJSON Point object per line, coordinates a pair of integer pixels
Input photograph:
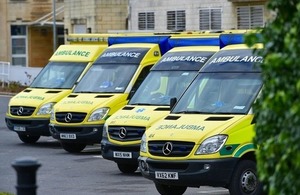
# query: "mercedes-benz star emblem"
{"type": "Point", "coordinates": [68, 117]}
{"type": "Point", "coordinates": [122, 132]}
{"type": "Point", "coordinates": [20, 111]}
{"type": "Point", "coordinates": [167, 148]}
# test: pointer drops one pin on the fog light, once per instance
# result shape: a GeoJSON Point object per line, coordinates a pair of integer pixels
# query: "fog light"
{"type": "Point", "coordinates": [143, 166]}
{"type": "Point", "coordinates": [206, 166]}
{"type": "Point", "coordinates": [95, 129]}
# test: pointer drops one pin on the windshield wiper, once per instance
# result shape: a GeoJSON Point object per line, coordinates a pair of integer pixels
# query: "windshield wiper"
{"type": "Point", "coordinates": [85, 92]}
{"type": "Point", "coordinates": [190, 112]}
{"type": "Point", "coordinates": [143, 104]}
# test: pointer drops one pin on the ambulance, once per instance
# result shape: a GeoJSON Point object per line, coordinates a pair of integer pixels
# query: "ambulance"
{"type": "Point", "coordinates": [207, 139]}
{"type": "Point", "coordinates": [78, 119]}
{"type": "Point", "coordinates": [168, 78]}
{"type": "Point", "coordinates": [28, 112]}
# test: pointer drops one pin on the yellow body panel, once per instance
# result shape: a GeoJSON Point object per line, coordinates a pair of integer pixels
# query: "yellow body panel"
{"type": "Point", "coordinates": [146, 116]}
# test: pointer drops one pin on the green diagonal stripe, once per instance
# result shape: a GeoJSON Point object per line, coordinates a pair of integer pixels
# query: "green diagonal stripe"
{"type": "Point", "coordinates": [243, 149]}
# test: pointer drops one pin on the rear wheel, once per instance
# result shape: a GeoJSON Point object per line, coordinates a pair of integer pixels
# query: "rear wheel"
{"type": "Point", "coordinates": [127, 168]}
{"type": "Point", "coordinates": [73, 147]}
{"type": "Point", "coordinates": [245, 180]}
{"type": "Point", "coordinates": [169, 189]}
{"type": "Point", "coordinates": [29, 139]}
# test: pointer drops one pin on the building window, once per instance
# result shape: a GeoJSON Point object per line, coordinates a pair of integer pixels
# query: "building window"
{"type": "Point", "coordinates": [146, 21]}
{"type": "Point", "coordinates": [176, 20]}
{"type": "Point", "coordinates": [19, 45]}
{"type": "Point", "coordinates": [210, 19]}
{"type": "Point", "coordinates": [249, 17]}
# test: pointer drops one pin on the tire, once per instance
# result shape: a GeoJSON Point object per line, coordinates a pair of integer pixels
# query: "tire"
{"type": "Point", "coordinates": [127, 168]}
{"type": "Point", "coordinates": [73, 147]}
{"type": "Point", "coordinates": [245, 180]}
{"type": "Point", "coordinates": [169, 189]}
{"type": "Point", "coordinates": [29, 139]}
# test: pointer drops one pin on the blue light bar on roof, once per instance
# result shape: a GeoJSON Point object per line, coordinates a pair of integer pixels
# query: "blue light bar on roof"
{"type": "Point", "coordinates": [230, 39]}
{"type": "Point", "coordinates": [161, 40]}
{"type": "Point", "coordinates": [199, 41]}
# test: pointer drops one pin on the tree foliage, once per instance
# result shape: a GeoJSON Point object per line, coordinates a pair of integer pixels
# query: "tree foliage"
{"type": "Point", "coordinates": [278, 110]}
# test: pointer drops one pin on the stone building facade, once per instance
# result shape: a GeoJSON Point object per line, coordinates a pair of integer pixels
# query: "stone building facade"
{"type": "Point", "coordinates": [195, 15]}
{"type": "Point", "coordinates": [27, 25]}
{"type": "Point", "coordinates": [95, 16]}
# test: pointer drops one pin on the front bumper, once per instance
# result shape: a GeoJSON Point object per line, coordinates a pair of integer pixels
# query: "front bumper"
{"type": "Point", "coordinates": [108, 149]}
{"type": "Point", "coordinates": [34, 127]}
{"type": "Point", "coordinates": [88, 134]}
{"type": "Point", "coordinates": [191, 173]}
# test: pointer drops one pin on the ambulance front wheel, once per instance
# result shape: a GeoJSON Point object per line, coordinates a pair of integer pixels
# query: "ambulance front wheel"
{"type": "Point", "coordinates": [29, 139]}
{"type": "Point", "coordinates": [169, 189]}
{"type": "Point", "coordinates": [245, 180]}
{"type": "Point", "coordinates": [73, 147]}
{"type": "Point", "coordinates": [127, 168]}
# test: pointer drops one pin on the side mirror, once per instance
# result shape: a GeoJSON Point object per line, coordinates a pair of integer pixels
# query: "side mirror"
{"type": "Point", "coordinates": [173, 101]}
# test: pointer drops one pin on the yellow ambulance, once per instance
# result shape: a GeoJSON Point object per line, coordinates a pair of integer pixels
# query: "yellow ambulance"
{"type": "Point", "coordinates": [28, 112]}
{"type": "Point", "coordinates": [168, 78]}
{"type": "Point", "coordinates": [207, 139]}
{"type": "Point", "coordinates": [78, 119]}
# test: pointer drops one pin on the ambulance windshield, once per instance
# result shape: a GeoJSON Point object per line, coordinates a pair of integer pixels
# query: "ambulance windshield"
{"type": "Point", "coordinates": [59, 75]}
{"type": "Point", "coordinates": [107, 78]}
{"type": "Point", "coordinates": [220, 93]}
{"type": "Point", "coordinates": [160, 86]}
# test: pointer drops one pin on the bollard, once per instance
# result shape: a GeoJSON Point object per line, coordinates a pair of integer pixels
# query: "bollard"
{"type": "Point", "coordinates": [26, 168]}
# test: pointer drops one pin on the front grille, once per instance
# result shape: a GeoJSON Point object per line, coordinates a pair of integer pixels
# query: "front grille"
{"type": "Point", "coordinates": [180, 149]}
{"type": "Point", "coordinates": [21, 110]}
{"type": "Point", "coordinates": [70, 117]}
{"type": "Point", "coordinates": [131, 133]}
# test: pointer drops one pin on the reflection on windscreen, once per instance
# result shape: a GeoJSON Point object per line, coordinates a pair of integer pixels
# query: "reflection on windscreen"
{"type": "Point", "coordinates": [160, 86]}
{"type": "Point", "coordinates": [108, 78]}
{"type": "Point", "coordinates": [221, 93]}
{"type": "Point", "coordinates": [59, 75]}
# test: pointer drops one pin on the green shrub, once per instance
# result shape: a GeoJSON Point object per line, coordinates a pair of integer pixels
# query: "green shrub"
{"type": "Point", "coordinates": [12, 87]}
{"type": "Point", "coordinates": [278, 111]}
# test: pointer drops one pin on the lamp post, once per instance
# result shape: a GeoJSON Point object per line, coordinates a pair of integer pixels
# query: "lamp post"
{"type": "Point", "coordinates": [54, 24]}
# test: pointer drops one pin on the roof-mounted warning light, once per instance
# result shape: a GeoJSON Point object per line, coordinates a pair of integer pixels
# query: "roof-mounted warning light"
{"type": "Point", "coordinates": [89, 38]}
{"type": "Point", "coordinates": [235, 38]}
{"type": "Point", "coordinates": [194, 41]}
{"type": "Point", "coordinates": [162, 41]}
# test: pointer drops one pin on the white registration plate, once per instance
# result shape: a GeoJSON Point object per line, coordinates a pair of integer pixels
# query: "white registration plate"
{"type": "Point", "coordinates": [166, 175]}
{"type": "Point", "coordinates": [19, 128]}
{"type": "Point", "coordinates": [122, 154]}
{"type": "Point", "coordinates": [67, 136]}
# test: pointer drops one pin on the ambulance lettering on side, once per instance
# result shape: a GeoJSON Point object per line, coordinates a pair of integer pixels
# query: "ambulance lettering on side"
{"type": "Point", "coordinates": [168, 78]}
{"type": "Point", "coordinates": [29, 110]}
{"type": "Point", "coordinates": [78, 119]}
{"type": "Point", "coordinates": [207, 139]}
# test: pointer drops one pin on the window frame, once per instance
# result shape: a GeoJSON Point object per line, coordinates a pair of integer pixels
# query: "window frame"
{"type": "Point", "coordinates": [146, 20]}
{"type": "Point", "coordinates": [211, 21]}
{"type": "Point", "coordinates": [13, 46]}
{"type": "Point", "coordinates": [174, 24]}
{"type": "Point", "coordinates": [245, 18]}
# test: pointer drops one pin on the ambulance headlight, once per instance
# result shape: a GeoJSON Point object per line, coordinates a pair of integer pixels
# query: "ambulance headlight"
{"type": "Point", "coordinates": [99, 114]}
{"type": "Point", "coordinates": [212, 144]}
{"type": "Point", "coordinates": [143, 147]}
{"type": "Point", "coordinates": [45, 109]}
{"type": "Point", "coordinates": [104, 132]}
{"type": "Point", "coordinates": [52, 115]}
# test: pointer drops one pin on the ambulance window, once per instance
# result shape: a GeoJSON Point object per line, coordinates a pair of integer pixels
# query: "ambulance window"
{"type": "Point", "coordinates": [141, 77]}
{"type": "Point", "coordinates": [222, 93]}
{"type": "Point", "coordinates": [59, 75]}
{"type": "Point", "coordinates": [106, 78]}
